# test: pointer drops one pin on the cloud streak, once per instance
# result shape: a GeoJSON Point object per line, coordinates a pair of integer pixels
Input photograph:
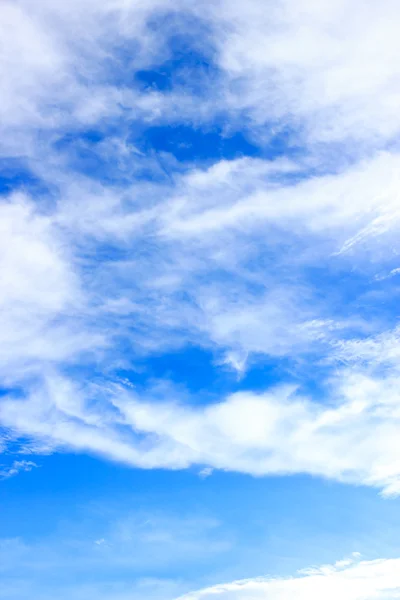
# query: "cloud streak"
{"type": "Point", "coordinates": [349, 579]}
{"type": "Point", "coordinates": [350, 435]}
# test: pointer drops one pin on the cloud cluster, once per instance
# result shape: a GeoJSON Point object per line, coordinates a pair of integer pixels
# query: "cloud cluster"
{"type": "Point", "coordinates": [110, 252]}
{"type": "Point", "coordinates": [328, 74]}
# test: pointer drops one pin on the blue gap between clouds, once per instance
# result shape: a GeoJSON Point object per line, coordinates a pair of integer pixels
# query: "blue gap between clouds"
{"type": "Point", "coordinates": [153, 152]}
{"type": "Point", "coordinates": [188, 68]}
{"type": "Point", "coordinates": [188, 144]}
{"type": "Point", "coordinates": [156, 151]}
{"type": "Point", "coordinates": [15, 175]}
{"type": "Point", "coordinates": [356, 294]}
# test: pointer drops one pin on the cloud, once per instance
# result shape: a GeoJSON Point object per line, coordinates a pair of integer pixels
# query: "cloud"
{"type": "Point", "coordinates": [310, 67]}
{"type": "Point", "coordinates": [254, 234]}
{"type": "Point", "coordinates": [382, 349]}
{"type": "Point", "coordinates": [218, 284]}
{"type": "Point", "coordinates": [17, 466]}
{"type": "Point", "coordinates": [211, 279]}
{"type": "Point", "coordinates": [100, 542]}
{"type": "Point", "coordinates": [256, 297]}
{"type": "Point", "coordinates": [349, 579]}
{"type": "Point", "coordinates": [251, 259]}
{"type": "Point", "coordinates": [206, 472]}
{"type": "Point", "coordinates": [62, 54]}
{"type": "Point", "coordinates": [304, 68]}
{"type": "Point", "coordinates": [349, 435]}
{"type": "Point", "coordinates": [41, 302]}
{"type": "Point", "coordinates": [114, 251]}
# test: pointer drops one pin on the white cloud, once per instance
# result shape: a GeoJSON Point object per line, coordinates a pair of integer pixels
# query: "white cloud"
{"type": "Point", "coordinates": [359, 202]}
{"type": "Point", "coordinates": [206, 472]}
{"type": "Point", "coordinates": [349, 435]}
{"type": "Point", "coordinates": [41, 300]}
{"type": "Point", "coordinates": [16, 467]}
{"type": "Point", "coordinates": [327, 69]}
{"type": "Point", "coordinates": [246, 258]}
{"type": "Point", "coordinates": [307, 66]}
{"type": "Point", "coordinates": [350, 580]}
{"type": "Point", "coordinates": [382, 349]}
{"type": "Point", "coordinates": [242, 296]}
{"type": "Point", "coordinates": [60, 55]}
{"type": "Point", "coordinates": [221, 285]}
{"type": "Point", "coordinates": [62, 301]}
{"type": "Point", "coordinates": [233, 246]}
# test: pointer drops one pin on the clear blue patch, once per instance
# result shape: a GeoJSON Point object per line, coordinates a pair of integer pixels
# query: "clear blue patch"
{"type": "Point", "coordinates": [154, 79]}
{"type": "Point", "coordinates": [202, 379]}
{"type": "Point", "coordinates": [276, 524]}
{"type": "Point", "coordinates": [355, 294]}
{"type": "Point", "coordinates": [15, 175]}
{"type": "Point", "coordinates": [189, 144]}
{"type": "Point", "coordinates": [191, 369]}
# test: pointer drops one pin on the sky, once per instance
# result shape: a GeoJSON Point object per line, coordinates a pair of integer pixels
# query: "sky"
{"type": "Point", "coordinates": [199, 288]}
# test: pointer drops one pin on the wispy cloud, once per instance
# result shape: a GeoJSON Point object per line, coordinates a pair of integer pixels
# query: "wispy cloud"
{"type": "Point", "coordinates": [18, 466]}
{"type": "Point", "coordinates": [349, 435]}
{"type": "Point", "coordinates": [121, 565]}
{"type": "Point", "coordinates": [206, 472]}
{"type": "Point", "coordinates": [350, 579]}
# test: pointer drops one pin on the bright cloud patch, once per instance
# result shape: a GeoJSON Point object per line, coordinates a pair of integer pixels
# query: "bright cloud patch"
{"type": "Point", "coordinates": [362, 580]}
{"type": "Point", "coordinates": [351, 436]}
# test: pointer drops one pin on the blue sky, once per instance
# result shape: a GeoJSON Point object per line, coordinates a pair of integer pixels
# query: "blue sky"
{"type": "Point", "coordinates": [199, 275]}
